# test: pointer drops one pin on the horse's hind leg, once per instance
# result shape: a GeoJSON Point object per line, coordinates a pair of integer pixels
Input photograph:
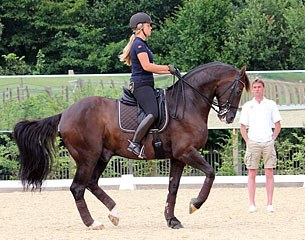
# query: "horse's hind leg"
{"type": "Point", "coordinates": [100, 194]}
{"type": "Point", "coordinates": [77, 188]}
{"type": "Point", "coordinates": [80, 182]}
{"type": "Point", "coordinates": [176, 169]}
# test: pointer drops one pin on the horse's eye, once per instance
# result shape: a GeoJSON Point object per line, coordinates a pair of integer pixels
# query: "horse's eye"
{"type": "Point", "coordinates": [238, 92]}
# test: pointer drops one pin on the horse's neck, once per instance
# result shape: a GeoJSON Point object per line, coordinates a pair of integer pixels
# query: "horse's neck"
{"type": "Point", "coordinates": [195, 99]}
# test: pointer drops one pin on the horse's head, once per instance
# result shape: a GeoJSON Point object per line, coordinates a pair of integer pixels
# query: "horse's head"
{"type": "Point", "coordinates": [228, 94]}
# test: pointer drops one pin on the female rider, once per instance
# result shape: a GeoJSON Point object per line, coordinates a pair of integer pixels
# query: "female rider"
{"type": "Point", "coordinates": [138, 55]}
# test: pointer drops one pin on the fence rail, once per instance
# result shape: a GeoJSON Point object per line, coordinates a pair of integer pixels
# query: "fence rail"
{"type": "Point", "coordinates": [282, 92]}
{"type": "Point", "coordinates": [22, 92]}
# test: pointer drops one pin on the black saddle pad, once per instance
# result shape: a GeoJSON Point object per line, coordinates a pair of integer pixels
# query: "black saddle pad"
{"type": "Point", "coordinates": [130, 114]}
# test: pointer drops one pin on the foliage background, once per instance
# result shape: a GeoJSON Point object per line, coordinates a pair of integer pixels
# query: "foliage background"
{"type": "Point", "coordinates": [50, 37]}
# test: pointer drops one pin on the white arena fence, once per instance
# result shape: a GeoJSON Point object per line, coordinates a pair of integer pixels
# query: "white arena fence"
{"type": "Point", "coordinates": [119, 166]}
{"type": "Point", "coordinates": [129, 182]}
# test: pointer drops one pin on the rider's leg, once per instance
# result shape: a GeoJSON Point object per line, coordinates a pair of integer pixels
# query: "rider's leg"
{"type": "Point", "coordinates": [146, 98]}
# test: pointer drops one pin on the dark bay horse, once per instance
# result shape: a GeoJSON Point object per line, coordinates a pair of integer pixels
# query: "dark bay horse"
{"type": "Point", "coordinates": [90, 131]}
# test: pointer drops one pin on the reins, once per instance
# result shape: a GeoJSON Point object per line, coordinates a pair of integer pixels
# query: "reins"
{"type": "Point", "coordinates": [212, 103]}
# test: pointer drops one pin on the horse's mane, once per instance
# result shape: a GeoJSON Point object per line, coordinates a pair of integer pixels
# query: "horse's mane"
{"type": "Point", "coordinates": [202, 67]}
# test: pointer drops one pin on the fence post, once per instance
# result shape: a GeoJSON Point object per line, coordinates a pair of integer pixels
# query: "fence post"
{"type": "Point", "coordinates": [67, 94]}
{"type": "Point", "coordinates": [20, 90]}
{"type": "Point", "coordinates": [27, 91]}
{"type": "Point", "coordinates": [130, 168]}
{"type": "Point", "coordinates": [286, 95]}
{"type": "Point", "coordinates": [80, 83]}
{"type": "Point", "coordinates": [48, 91]}
{"type": "Point", "coordinates": [18, 94]}
{"type": "Point", "coordinates": [300, 89]}
{"type": "Point", "coordinates": [236, 162]}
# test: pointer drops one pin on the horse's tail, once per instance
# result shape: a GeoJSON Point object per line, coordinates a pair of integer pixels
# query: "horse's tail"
{"type": "Point", "coordinates": [36, 142]}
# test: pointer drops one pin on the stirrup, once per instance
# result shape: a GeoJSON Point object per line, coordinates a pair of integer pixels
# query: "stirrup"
{"type": "Point", "coordinates": [142, 154]}
{"type": "Point", "coordinates": [136, 149]}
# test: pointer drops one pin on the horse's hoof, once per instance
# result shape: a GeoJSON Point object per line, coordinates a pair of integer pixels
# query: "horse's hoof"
{"type": "Point", "coordinates": [174, 223]}
{"type": "Point", "coordinates": [115, 220]}
{"type": "Point", "coordinates": [96, 225]}
{"type": "Point", "coordinates": [192, 207]}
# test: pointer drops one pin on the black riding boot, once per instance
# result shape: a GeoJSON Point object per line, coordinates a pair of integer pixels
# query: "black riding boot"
{"type": "Point", "coordinates": [141, 131]}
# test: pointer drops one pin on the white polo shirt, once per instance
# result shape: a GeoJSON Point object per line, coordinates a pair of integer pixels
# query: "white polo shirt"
{"type": "Point", "coordinates": [260, 118]}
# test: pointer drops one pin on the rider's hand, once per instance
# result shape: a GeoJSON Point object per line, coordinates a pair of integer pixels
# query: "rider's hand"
{"type": "Point", "coordinates": [172, 69]}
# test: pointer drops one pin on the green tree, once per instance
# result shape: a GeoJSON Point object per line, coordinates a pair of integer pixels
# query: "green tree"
{"type": "Point", "coordinates": [295, 35]}
{"type": "Point", "coordinates": [40, 63]}
{"type": "Point", "coordinates": [9, 165]}
{"type": "Point", "coordinates": [15, 65]}
{"type": "Point", "coordinates": [1, 29]}
{"type": "Point", "coordinates": [115, 15]}
{"type": "Point", "coordinates": [76, 34]}
{"type": "Point", "coordinates": [194, 35]}
{"type": "Point", "coordinates": [255, 35]}
{"type": "Point", "coordinates": [19, 35]}
{"type": "Point", "coordinates": [87, 36]}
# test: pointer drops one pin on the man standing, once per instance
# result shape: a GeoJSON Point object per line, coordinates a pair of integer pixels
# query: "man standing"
{"type": "Point", "coordinates": [259, 115]}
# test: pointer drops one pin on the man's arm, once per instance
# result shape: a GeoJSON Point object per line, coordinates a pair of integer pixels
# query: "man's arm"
{"type": "Point", "coordinates": [243, 131]}
{"type": "Point", "coordinates": [277, 129]}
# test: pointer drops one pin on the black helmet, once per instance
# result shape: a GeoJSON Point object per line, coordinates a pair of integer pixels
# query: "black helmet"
{"type": "Point", "coordinates": [137, 18]}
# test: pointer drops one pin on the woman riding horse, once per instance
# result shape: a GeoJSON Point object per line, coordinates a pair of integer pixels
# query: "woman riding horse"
{"type": "Point", "coordinates": [138, 55]}
{"type": "Point", "coordinates": [92, 137]}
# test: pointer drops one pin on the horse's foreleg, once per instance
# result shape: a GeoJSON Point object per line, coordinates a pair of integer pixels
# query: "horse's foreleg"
{"type": "Point", "coordinates": [101, 195]}
{"type": "Point", "coordinates": [176, 169]}
{"type": "Point", "coordinates": [195, 160]}
{"type": "Point", "coordinates": [196, 203]}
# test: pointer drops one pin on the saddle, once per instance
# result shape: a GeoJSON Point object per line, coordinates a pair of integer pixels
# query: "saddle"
{"type": "Point", "coordinates": [131, 114]}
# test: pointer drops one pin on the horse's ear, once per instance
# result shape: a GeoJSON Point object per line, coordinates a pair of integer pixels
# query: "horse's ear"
{"type": "Point", "coordinates": [242, 71]}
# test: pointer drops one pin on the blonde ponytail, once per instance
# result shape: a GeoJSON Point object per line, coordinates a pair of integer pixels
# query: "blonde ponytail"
{"type": "Point", "coordinates": [125, 56]}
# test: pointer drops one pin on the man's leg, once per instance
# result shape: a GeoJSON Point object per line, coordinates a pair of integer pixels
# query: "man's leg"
{"type": "Point", "coordinates": [270, 162]}
{"type": "Point", "coordinates": [269, 185]}
{"type": "Point", "coordinates": [252, 185]}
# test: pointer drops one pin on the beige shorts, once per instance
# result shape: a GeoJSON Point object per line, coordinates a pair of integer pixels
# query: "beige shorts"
{"type": "Point", "coordinates": [254, 152]}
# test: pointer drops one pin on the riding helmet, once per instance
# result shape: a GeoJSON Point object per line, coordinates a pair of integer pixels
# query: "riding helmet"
{"type": "Point", "coordinates": [139, 17]}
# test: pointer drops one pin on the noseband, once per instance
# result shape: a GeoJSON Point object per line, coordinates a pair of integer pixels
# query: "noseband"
{"type": "Point", "coordinates": [223, 108]}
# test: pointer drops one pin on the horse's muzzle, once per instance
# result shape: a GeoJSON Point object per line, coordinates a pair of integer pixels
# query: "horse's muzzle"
{"type": "Point", "coordinates": [226, 116]}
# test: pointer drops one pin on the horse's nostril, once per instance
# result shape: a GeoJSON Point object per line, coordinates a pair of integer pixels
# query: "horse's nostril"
{"type": "Point", "coordinates": [230, 118]}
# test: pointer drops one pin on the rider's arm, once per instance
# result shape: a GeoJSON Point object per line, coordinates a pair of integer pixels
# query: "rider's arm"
{"type": "Point", "coordinates": [151, 67]}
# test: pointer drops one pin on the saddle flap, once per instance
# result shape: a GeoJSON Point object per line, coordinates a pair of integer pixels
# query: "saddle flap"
{"type": "Point", "coordinates": [130, 115]}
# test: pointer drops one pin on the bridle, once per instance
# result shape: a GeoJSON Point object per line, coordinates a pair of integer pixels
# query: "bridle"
{"type": "Point", "coordinates": [223, 108]}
